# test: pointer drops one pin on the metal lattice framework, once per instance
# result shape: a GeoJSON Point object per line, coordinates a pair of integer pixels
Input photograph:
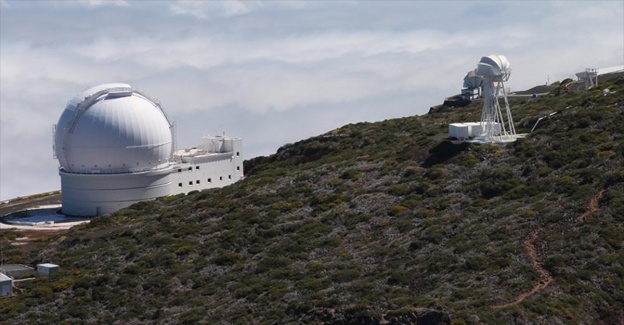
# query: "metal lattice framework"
{"type": "Point", "coordinates": [496, 126]}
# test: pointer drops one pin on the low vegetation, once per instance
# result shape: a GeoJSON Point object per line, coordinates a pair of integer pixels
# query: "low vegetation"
{"type": "Point", "coordinates": [371, 222]}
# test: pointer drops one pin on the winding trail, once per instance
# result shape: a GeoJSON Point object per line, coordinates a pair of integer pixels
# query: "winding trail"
{"type": "Point", "coordinates": [529, 247]}
{"type": "Point", "coordinates": [545, 277]}
{"type": "Point", "coordinates": [593, 206]}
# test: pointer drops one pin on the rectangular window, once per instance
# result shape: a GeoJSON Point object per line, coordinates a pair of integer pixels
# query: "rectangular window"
{"type": "Point", "coordinates": [197, 182]}
{"type": "Point", "coordinates": [210, 180]}
{"type": "Point", "coordinates": [237, 167]}
{"type": "Point", "coordinates": [179, 170]}
{"type": "Point", "coordinates": [191, 183]}
{"type": "Point", "coordinates": [237, 154]}
{"type": "Point", "coordinates": [196, 167]}
{"type": "Point", "coordinates": [191, 168]}
{"type": "Point", "coordinates": [220, 178]}
{"type": "Point", "coordinates": [179, 184]}
{"type": "Point", "coordinates": [229, 176]}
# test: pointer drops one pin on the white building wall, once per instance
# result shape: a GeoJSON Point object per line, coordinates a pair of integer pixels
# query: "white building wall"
{"type": "Point", "coordinates": [210, 170]}
{"type": "Point", "coordinates": [6, 286]}
{"type": "Point", "coordinates": [100, 194]}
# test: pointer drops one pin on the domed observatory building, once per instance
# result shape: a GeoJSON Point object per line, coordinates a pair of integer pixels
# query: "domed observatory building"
{"type": "Point", "coordinates": [115, 148]}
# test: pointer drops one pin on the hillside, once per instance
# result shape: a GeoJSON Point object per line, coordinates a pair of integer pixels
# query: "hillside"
{"type": "Point", "coordinates": [370, 223]}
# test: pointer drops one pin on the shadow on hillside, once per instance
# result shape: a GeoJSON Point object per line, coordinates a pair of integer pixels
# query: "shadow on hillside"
{"type": "Point", "coordinates": [443, 152]}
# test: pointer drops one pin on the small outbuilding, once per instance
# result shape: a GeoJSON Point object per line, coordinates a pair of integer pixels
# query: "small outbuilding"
{"type": "Point", "coordinates": [16, 271]}
{"type": "Point", "coordinates": [46, 269]}
{"type": "Point", "coordinates": [6, 286]}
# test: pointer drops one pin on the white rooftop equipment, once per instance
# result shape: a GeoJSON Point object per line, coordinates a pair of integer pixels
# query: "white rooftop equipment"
{"type": "Point", "coordinates": [496, 126]}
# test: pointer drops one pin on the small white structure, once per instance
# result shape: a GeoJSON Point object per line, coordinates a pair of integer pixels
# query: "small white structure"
{"type": "Point", "coordinates": [468, 130]}
{"type": "Point", "coordinates": [115, 148]}
{"type": "Point", "coordinates": [6, 286]}
{"type": "Point", "coordinates": [46, 269]}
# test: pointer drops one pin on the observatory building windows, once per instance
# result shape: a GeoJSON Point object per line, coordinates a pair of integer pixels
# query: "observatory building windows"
{"type": "Point", "coordinates": [237, 167]}
{"type": "Point", "coordinates": [196, 167]}
{"type": "Point", "coordinates": [179, 184]}
{"type": "Point", "coordinates": [229, 176]}
{"type": "Point", "coordinates": [179, 170]}
{"type": "Point", "coordinates": [210, 180]}
{"type": "Point", "coordinates": [220, 178]}
{"type": "Point", "coordinates": [197, 182]}
{"type": "Point", "coordinates": [190, 168]}
{"type": "Point", "coordinates": [191, 183]}
{"type": "Point", "coordinates": [237, 153]}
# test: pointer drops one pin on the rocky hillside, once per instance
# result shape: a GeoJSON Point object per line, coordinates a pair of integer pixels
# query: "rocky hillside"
{"type": "Point", "coordinates": [372, 223]}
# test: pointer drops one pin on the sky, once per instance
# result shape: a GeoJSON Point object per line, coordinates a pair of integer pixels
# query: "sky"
{"type": "Point", "coordinates": [273, 72]}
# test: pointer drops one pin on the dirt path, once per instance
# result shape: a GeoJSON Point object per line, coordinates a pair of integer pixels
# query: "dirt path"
{"type": "Point", "coordinates": [545, 277]}
{"type": "Point", "coordinates": [593, 206]}
{"type": "Point", "coordinates": [529, 247]}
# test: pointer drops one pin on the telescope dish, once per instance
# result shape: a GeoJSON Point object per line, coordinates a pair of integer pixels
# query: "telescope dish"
{"type": "Point", "coordinates": [472, 80]}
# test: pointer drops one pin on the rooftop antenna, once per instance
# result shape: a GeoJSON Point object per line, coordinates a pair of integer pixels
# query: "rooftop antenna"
{"type": "Point", "coordinates": [495, 126]}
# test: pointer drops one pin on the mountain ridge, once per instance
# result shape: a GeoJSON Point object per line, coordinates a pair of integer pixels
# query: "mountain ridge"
{"type": "Point", "coordinates": [385, 222]}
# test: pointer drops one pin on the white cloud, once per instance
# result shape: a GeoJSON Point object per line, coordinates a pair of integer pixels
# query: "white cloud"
{"type": "Point", "coordinates": [103, 3]}
{"type": "Point", "coordinates": [197, 9]}
{"type": "Point", "coordinates": [274, 72]}
{"type": "Point", "coordinates": [207, 9]}
{"type": "Point", "coordinates": [238, 7]}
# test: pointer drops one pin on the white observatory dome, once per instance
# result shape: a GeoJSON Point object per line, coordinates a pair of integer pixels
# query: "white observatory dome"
{"type": "Point", "coordinates": [110, 129]}
{"type": "Point", "coordinates": [494, 66]}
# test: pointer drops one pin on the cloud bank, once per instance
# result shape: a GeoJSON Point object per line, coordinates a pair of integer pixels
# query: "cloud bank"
{"type": "Point", "coordinates": [273, 72]}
